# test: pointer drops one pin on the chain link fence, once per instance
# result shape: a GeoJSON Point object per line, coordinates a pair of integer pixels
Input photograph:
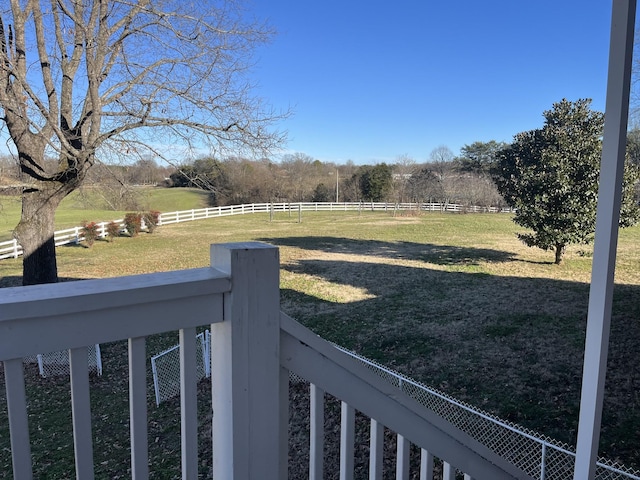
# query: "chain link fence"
{"type": "Point", "coordinates": [539, 456]}
{"type": "Point", "coordinates": [55, 364]}
{"type": "Point", "coordinates": [165, 367]}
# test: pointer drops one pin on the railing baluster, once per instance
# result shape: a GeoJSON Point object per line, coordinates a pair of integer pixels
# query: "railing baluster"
{"type": "Point", "coordinates": [402, 458]}
{"type": "Point", "coordinates": [188, 403]}
{"type": "Point", "coordinates": [376, 443]}
{"type": "Point", "coordinates": [316, 427]}
{"type": "Point", "coordinates": [347, 437]}
{"type": "Point", "coordinates": [138, 409]}
{"type": "Point", "coordinates": [18, 419]}
{"type": "Point", "coordinates": [81, 410]}
{"type": "Point", "coordinates": [426, 465]}
{"type": "Point", "coordinates": [448, 472]}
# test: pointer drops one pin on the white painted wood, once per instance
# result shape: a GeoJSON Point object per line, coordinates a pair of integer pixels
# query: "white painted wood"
{"type": "Point", "coordinates": [347, 438]}
{"type": "Point", "coordinates": [284, 424]}
{"type": "Point", "coordinates": [245, 355]}
{"type": "Point", "coordinates": [81, 412]}
{"type": "Point", "coordinates": [426, 465]}
{"type": "Point", "coordinates": [74, 314]}
{"type": "Point", "coordinates": [138, 409]}
{"type": "Point", "coordinates": [467, 477]}
{"type": "Point", "coordinates": [448, 472]}
{"type": "Point", "coordinates": [18, 419]}
{"type": "Point", "coordinates": [316, 428]}
{"type": "Point", "coordinates": [376, 450]}
{"type": "Point", "coordinates": [402, 458]}
{"type": "Point", "coordinates": [188, 403]}
{"type": "Point", "coordinates": [606, 237]}
{"type": "Point", "coordinates": [318, 361]}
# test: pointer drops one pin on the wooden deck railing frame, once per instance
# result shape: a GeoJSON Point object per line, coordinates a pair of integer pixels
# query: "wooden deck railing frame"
{"type": "Point", "coordinates": [254, 347]}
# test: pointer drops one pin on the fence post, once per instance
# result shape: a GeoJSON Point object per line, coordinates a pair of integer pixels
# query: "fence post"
{"type": "Point", "coordinates": [245, 358]}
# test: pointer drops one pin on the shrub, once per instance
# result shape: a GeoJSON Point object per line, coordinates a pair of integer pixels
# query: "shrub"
{"type": "Point", "coordinates": [90, 232]}
{"type": "Point", "coordinates": [133, 223]}
{"type": "Point", "coordinates": [113, 231]}
{"type": "Point", "coordinates": [151, 219]}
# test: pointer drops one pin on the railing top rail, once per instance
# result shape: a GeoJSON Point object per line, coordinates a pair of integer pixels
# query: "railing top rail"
{"type": "Point", "coordinates": [73, 314]}
{"type": "Point", "coordinates": [462, 405]}
{"type": "Point", "coordinates": [315, 359]}
{"type": "Point", "coordinates": [18, 303]}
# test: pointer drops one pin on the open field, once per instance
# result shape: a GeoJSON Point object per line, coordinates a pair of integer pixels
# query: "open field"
{"type": "Point", "coordinates": [87, 204]}
{"type": "Point", "coordinates": [455, 301]}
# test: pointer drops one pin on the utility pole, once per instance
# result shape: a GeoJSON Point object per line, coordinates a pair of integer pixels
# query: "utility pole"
{"type": "Point", "coordinates": [337, 177]}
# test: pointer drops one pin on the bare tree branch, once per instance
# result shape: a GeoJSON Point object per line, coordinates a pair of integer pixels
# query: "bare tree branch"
{"type": "Point", "coordinates": [79, 76]}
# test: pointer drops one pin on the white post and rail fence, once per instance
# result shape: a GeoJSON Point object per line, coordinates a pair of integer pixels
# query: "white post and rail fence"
{"type": "Point", "coordinates": [74, 235]}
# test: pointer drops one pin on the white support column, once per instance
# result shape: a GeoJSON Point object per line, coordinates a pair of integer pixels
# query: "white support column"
{"type": "Point", "coordinates": [606, 237]}
{"type": "Point", "coordinates": [245, 357]}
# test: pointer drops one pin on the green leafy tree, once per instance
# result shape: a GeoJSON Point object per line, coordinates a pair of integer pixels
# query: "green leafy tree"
{"type": "Point", "coordinates": [550, 176]}
{"type": "Point", "coordinates": [479, 156]}
{"type": "Point", "coordinates": [375, 182]}
{"type": "Point", "coordinates": [321, 193]}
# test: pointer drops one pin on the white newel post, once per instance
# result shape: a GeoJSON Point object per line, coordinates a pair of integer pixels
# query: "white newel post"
{"type": "Point", "coordinates": [245, 358]}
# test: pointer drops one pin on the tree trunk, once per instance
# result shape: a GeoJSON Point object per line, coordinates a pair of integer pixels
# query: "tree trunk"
{"type": "Point", "coordinates": [35, 235]}
{"type": "Point", "coordinates": [560, 249]}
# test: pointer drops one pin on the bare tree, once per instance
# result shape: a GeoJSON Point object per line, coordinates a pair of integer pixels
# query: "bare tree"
{"type": "Point", "coordinates": [404, 168]}
{"type": "Point", "coordinates": [299, 170]}
{"type": "Point", "coordinates": [441, 154]}
{"type": "Point", "coordinates": [86, 79]}
{"type": "Point", "coordinates": [9, 172]}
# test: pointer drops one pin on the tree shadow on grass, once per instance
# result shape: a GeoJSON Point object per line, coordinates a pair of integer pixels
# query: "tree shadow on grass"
{"type": "Point", "coordinates": [426, 252]}
{"type": "Point", "coordinates": [510, 345]}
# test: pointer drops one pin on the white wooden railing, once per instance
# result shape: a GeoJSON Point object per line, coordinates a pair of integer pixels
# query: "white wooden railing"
{"type": "Point", "coordinates": [254, 348]}
{"type": "Point", "coordinates": [74, 235]}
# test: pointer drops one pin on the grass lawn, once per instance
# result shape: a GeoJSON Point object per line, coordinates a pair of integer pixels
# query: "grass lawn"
{"type": "Point", "coordinates": [455, 301]}
{"type": "Point", "coordinates": [87, 204]}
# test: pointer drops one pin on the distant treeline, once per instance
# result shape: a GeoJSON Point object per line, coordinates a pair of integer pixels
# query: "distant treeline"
{"type": "Point", "coordinates": [300, 178]}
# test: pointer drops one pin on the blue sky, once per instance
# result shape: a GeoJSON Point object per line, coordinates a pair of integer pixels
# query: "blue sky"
{"type": "Point", "coordinates": [369, 81]}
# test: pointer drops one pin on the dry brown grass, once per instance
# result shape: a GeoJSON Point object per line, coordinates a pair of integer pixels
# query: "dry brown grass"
{"type": "Point", "coordinates": [455, 301]}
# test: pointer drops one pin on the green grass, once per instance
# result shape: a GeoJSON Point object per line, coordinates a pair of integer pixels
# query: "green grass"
{"type": "Point", "coordinates": [88, 205]}
{"type": "Point", "coordinates": [455, 301]}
